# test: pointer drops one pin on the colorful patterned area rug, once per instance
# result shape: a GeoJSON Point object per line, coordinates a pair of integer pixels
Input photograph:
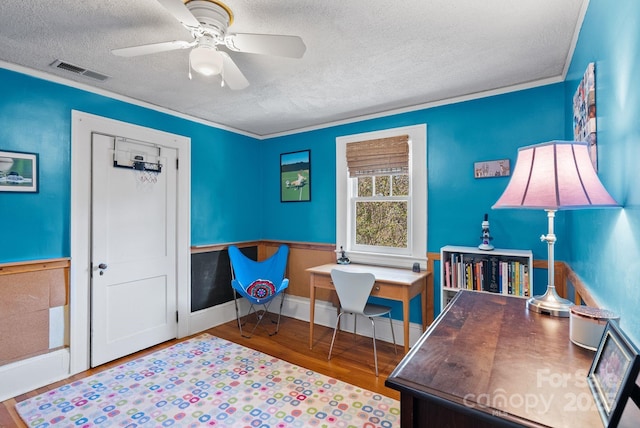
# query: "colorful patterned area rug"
{"type": "Point", "coordinates": [208, 381]}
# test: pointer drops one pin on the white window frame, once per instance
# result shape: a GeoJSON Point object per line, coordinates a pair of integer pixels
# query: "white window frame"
{"type": "Point", "coordinates": [417, 215]}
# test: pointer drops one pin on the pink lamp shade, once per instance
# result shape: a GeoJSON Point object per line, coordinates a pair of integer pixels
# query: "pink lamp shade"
{"type": "Point", "coordinates": [552, 176]}
{"type": "Point", "coordinates": [557, 175]}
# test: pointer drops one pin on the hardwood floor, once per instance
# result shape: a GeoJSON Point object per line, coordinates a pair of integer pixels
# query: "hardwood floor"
{"type": "Point", "coordinates": [351, 362]}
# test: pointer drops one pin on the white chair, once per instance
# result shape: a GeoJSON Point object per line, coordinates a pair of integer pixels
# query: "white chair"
{"type": "Point", "coordinates": [353, 290]}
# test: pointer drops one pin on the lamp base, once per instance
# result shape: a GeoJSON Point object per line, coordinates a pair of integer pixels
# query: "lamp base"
{"type": "Point", "coordinates": [550, 304]}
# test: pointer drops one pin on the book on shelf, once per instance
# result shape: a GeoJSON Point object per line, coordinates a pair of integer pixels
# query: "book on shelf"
{"type": "Point", "coordinates": [447, 273]}
{"type": "Point", "coordinates": [494, 274]}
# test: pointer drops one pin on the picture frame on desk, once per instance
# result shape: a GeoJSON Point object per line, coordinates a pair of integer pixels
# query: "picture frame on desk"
{"type": "Point", "coordinates": [613, 373]}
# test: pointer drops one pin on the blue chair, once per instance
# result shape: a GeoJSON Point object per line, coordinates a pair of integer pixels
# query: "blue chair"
{"type": "Point", "coordinates": [260, 283]}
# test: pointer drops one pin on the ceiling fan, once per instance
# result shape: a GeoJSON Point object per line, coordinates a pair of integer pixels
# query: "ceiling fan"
{"type": "Point", "coordinates": [208, 21]}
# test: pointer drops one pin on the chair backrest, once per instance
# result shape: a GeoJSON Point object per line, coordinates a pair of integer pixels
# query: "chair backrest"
{"type": "Point", "coordinates": [245, 270]}
{"type": "Point", "coordinates": [353, 289]}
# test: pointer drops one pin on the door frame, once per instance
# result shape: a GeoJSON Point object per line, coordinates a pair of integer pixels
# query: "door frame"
{"type": "Point", "coordinates": [82, 125]}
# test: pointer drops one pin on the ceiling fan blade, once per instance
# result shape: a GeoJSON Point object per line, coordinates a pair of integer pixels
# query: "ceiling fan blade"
{"type": "Point", "coordinates": [152, 48]}
{"type": "Point", "coordinates": [180, 12]}
{"type": "Point", "coordinates": [266, 44]}
{"type": "Point", "coordinates": [231, 74]}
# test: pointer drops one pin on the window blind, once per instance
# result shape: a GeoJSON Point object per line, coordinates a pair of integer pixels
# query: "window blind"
{"type": "Point", "coordinates": [378, 157]}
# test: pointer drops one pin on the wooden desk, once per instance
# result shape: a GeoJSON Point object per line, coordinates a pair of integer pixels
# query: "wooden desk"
{"type": "Point", "coordinates": [391, 283]}
{"type": "Point", "coordinates": [489, 362]}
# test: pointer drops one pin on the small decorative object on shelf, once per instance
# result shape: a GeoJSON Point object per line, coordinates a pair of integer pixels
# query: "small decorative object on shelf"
{"type": "Point", "coordinates": [343, 260]}
{"type": "Point", "coordinates": [486, 236]}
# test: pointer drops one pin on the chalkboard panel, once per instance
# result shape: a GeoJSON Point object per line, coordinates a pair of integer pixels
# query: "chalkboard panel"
{"type": "Point", "coordinates": [211, 277]}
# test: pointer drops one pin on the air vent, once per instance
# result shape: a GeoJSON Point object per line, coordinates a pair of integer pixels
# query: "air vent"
{"type": "Point", "coordinates": [78, 70]}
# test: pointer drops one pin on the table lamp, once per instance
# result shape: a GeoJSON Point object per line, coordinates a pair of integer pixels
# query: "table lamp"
{"type": "Point", "coordinates": [557, 175]}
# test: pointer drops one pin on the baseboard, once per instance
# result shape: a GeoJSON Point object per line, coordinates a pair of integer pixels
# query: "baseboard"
{"type": "Point", "coordinates": [27, 375]}
{"type": "Point", "coordinates": [298, 308]}
{"type": "Point", "coordinates": [326, 314]}
{"type": "Point", "coordinates": [216, 315]}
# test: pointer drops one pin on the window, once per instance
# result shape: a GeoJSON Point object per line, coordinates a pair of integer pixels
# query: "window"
{"type": "Point", "coordinates": [381, 209]}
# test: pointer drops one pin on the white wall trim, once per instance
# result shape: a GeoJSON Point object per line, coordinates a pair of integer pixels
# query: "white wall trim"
{"type": "Point", "coordinates": [421, 106]}
{"type": "Point", "coordinates": [360, 118]}
{"type": "Point", "coordinates": [574, 39]}
{"type": "Point", "coordinates": [417, 227]}
{"type": "Point", "coordinates": [214, 316]}
{"type": "Point", "coordinates": [129, 100]}
{"type": "Point", "coordinates": [82, 125]}
{"type": "Point", "coordinates": [326, 314]}
{"type": "Point", "coordinates": [26, 375]}
{"type": "Point", "coordinates": [298, 307]}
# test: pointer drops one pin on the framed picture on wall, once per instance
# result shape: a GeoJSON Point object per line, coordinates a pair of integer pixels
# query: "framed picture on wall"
{"type": "Point", "coordinates": [584, 113]}
{"type": "Point", "coordinates": [613, 373]}
{"type": "Point", "coordinates": [295, 176]}
{"type": "Point", "coordinates": [493, 168]}
{"type": "Point", "coordinates": [18, 172]}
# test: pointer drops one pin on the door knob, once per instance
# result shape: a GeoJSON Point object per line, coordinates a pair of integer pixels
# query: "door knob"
{"type": "Point", "coordinates": [102, 267]}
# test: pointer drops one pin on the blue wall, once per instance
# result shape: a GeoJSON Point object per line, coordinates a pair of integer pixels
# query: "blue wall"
{"type": "Point", "coordinates": [35, 116]}
{"type": "Point", "coordinates": [457, 136]}
{"type": "Point", "coordinates": [604, 247]}
{"type": "Point", "coordinates": [235, 179]}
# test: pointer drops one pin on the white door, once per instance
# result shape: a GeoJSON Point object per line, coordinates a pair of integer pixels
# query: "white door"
{"type": "Point", "coordinates": [133, 248]}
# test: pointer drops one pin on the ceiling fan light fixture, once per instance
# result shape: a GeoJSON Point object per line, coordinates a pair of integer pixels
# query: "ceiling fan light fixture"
{"type": "Point", "coordinates": [208, 21]}
{"type": "Point", "coordinates": [206, 60]}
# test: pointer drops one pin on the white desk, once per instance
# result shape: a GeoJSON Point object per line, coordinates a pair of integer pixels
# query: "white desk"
{"type": "Point", "coordinates": [391, 283]}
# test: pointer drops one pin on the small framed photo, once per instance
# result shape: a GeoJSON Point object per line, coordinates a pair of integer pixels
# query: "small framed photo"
{"type": "Point", "coordinates": [295, 176]}
{"type": "Point", "coordinates": [613, 373]}
{"type": "Point", "coordinates": [493, 168]}
{"type": "Point", "coordinates": [18, 172]}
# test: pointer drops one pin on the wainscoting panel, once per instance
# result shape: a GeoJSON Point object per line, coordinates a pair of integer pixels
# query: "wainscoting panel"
{"type": "Point", "coordinates": [211, 277]}
{"type": "Point", "coordinates": [31, 293]}
{"type": "Point", "coordinates": [34, 325]}
{"type": "Point", "coordinates": [301, 257]}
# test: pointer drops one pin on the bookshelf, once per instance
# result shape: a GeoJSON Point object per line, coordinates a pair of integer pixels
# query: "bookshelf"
{"type": "Point", "coordinates": [502, 271]}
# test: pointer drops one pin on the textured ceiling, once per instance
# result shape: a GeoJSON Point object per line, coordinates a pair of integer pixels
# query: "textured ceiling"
{"type": "Point", "coordinates": [363, 57]}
